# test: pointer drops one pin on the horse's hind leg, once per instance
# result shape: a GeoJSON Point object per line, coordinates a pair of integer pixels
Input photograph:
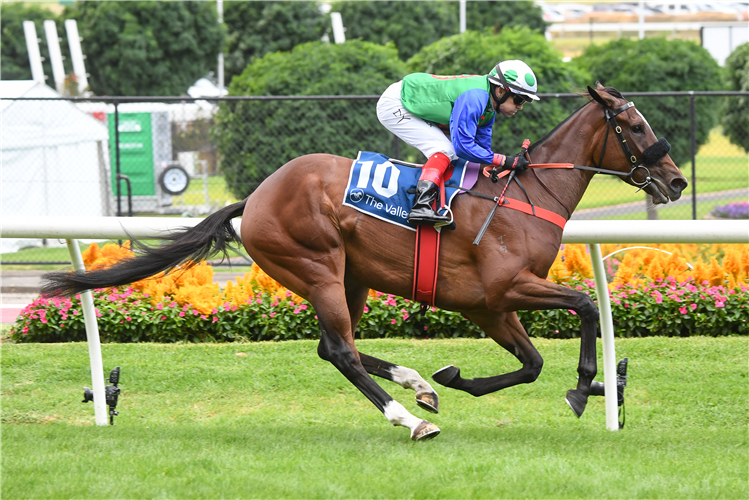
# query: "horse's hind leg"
{"type": "Point", "coordinates": [506, 330]}
{"type": "Point", "coordinates": [426, 397]}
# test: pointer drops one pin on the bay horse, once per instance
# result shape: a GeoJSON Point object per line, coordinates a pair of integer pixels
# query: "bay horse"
{"type": "Point", "coordinates": [297, 230]}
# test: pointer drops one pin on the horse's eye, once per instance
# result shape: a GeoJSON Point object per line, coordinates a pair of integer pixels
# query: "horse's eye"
{"type": "Point", "coordinates": [637, 129]}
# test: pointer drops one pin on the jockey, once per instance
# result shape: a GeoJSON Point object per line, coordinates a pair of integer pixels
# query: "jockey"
{"type": "Point", "coordinates": [450, 117]}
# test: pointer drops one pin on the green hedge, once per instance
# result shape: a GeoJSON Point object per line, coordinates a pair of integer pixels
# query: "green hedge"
{"type": "Point", "coordinates": [665, 308]}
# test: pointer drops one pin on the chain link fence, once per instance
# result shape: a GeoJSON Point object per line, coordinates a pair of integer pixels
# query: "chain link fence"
{"type": "Point", "coordinates": [175, 156]}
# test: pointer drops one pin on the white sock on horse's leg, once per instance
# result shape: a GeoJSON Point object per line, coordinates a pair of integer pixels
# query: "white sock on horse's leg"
{"type": "Point", "coordinates": [410, 379]}
{"type": "Point", "coordinates": [398, 415]}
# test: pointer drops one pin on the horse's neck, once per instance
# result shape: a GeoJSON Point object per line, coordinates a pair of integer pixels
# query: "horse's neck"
{"type": "Point", "coordinates": [573, 142]}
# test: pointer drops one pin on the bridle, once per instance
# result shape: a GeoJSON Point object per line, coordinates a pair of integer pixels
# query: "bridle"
{"type": "Point", "coordinates": [611, 123]}
{"type": "Point", "coordinates": [651, 154]}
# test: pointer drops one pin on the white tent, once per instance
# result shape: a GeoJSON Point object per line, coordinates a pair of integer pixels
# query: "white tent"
{"type": "Point", "coordinates": [54, 157]}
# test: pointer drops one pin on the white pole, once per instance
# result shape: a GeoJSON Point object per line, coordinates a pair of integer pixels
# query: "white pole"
{"type": "Point", "coordinates": [76, 54]}
{"type": "Point", "coordinates": [462, 16]}
{"type": "Point", "coordinates": [92, 336]}
{"type": "Point", "coordinates": [641, 13]}
{"type": "Point", "coordinates": [220, 7]}
{"type": "Point", "coordinates": [339, 35]}
{"type": "Point", "coordinates": [32, 46]}
{"type": "Point", "coordinates": [607, 338]}
{"type": "Point", "coordinates": [55, 56]}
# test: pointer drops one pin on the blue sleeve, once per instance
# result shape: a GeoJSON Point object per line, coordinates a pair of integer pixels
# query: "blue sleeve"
{"type": "Point", "coordinates": [471, 142]}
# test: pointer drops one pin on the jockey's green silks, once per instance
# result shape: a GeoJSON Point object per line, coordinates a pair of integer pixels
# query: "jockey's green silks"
{"type": "Point", "coordinates": [431, 97]}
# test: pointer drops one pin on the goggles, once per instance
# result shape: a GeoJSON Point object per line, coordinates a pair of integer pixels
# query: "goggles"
{"type": "Point", "coordinates": [520, 99]}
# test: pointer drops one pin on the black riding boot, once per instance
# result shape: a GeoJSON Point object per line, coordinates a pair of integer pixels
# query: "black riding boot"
{"type": "Point", "coordinates": [422, 212]}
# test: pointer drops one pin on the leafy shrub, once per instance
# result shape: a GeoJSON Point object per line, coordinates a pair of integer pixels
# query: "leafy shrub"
{"type": "Point", "coordinates": [475, 52]}
{"type": "Point", "coordinates": [651, 294]}
{"type": "Point", "coordinates": [736, 109]}
{"type": "Point", "coordinates": [280, 131]}
{"type": "Point", "coordinates": [656, 65]}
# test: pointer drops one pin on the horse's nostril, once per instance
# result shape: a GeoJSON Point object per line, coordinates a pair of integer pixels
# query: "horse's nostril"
{"type": "Point", "coordinates": [678, 184]}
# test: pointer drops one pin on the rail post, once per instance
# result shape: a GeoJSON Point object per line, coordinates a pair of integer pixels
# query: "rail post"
{"type": "Point", "coordinates": [92, 337]}
{"type": "Point", "coordinates": [607, 339]}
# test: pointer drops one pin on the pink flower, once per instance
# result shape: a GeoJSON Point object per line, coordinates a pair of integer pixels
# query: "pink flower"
{"type": "Point", "coordinates": [214, 311]}
{"type": "Point", "coordinates": [297, 310]}
{"type": "Point", "coordinates": [304, 307]}
{"type": "Point", "coordinates": [163, 318]}
{"type": "Point", "coordinates": [390, 302]}
{"type": "Point", "coordinates": [272, 314]}
{"type": "Point", "coordinates": [203, 316]}
{"type": "Point", "coordinates": [693, 306]}
{"type": "Point", "coordinates": [128, 318]}
{"type": "Point", "coordinates": [573, 312]}
{"type": "Point", "coordinates": [214, 319]}
{"type": "Point", "coordinates": [182, 314]}
{"type": "Point", "coordinates": [288, 293]}
{"type": "Point", "coordinates": [98, 313]}
{"type": "Point", "coordinates": [683, 310]}
{"type": "Point", "coordinates": [25, 329]}
{"type": "Point", "coordinates": [718, 303]}
{"type": "Point", "coordinates": [366, 309]}
{"type": "Point", "coordinates": [392, 321]}
{"type": "Point", "coordinates": [159, 306]}
{"type": "Point", "coordinates": [195, 312]}
{"type": "Point", "coordinates": [658, 296]}
{"type": "Point", "coordinates": [405, 316]}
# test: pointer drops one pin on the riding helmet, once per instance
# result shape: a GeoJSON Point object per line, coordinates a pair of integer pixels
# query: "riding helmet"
{"type": "Point", "coordinates": [515, 76]}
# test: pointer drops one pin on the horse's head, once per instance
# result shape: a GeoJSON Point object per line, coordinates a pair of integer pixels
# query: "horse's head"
{"type": "Point", "coordinates": [644, 157]}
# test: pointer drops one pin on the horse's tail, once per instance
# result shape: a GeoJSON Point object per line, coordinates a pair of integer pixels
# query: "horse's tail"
{"type": "Point", "coordinates": [208, 238]}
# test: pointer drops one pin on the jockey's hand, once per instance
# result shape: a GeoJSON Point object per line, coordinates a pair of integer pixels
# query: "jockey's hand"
{"type": "Point", "coordinates": [518, 163]}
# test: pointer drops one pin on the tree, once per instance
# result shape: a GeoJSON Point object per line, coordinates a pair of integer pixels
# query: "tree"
{"type": "Point", "coordinates": [736, 111]}
{"type": "Point", "coordinates": [257, 28]}
{"type": "Point", "coordinates": [14, 63]}
{"type": "Point", "coordinates": [658, 65]}
{"type": "Point", "coordinates": [254, 138]}
{"type": "Point", "coordinates": [147, 48]}
{"type": "Point", "coordinates": [407, 25]}
{"type": "Point", "coordinates": [414, 25]}
{"type": "Point", "coordinates": [499, 14]}
{"type": "Point", "coordinates": [477, 53]}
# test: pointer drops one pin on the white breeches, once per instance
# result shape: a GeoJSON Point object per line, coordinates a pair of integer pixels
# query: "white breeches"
{"type": "Point", "coordinates": [422, 135]}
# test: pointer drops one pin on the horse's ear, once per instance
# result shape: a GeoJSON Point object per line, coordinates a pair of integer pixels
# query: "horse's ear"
{"type": "Point", "coordinates": [603, 97]}
{"type": "Point", "coordinates": [595, 95]}
{"type": "Point", "coordinates": [599, 85]}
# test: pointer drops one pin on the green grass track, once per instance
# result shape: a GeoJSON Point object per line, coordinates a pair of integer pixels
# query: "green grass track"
{"type": "Point", "coordinates": [198, 421]}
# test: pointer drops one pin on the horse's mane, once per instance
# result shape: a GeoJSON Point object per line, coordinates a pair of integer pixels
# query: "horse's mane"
{"type": "Point", "coordinates": [581, 93]}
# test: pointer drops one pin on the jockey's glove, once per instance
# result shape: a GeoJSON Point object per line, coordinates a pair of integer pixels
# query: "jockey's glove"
{"type": "Point", "coordinates": [518, 162]}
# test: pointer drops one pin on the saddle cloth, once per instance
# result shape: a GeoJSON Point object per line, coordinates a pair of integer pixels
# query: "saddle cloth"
{"type": "Point", "coordinates": [380, 188]}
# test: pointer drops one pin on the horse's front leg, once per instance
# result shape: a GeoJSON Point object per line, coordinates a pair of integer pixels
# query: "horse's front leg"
{"type": "Point", "coordinates": [426, 398]}
{"type": "Point", "coordinates": [407, 378]}
{"type": "Point", "coordinates": [531, 293]}
{"type": "Point", "coordinates": [506, 330]}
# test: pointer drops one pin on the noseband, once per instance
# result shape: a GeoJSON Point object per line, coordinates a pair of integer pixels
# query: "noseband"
{"type": "Point", "coordinates": [652, 154]}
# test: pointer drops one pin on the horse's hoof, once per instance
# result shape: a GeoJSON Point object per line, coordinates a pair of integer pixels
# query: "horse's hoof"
{"type": "Point", "coordinates": [446, 375]}
{"type": "Point", "coordinates": [429, 401]}
{"type": "Point", "coordinates": [425, 430]}
{"type": "Point", "coordinates": [577, 401]}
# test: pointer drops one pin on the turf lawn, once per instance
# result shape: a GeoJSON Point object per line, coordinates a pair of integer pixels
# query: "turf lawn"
{"type": "Point", "coordinates": [198, 421]}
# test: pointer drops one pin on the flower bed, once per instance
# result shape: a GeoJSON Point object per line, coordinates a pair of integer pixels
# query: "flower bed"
{"type": "Point", "coordinates": [653, 292]}
{"type": "Point", "coordinates": [736, 210]}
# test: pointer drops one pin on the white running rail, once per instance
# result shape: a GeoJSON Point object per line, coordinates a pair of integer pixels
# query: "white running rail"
{"type": "Point", "coordinates": [591, 232]}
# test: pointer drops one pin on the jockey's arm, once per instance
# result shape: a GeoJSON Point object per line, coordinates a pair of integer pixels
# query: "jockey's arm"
{"type": "Point", "coordinates": [471, 142]}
